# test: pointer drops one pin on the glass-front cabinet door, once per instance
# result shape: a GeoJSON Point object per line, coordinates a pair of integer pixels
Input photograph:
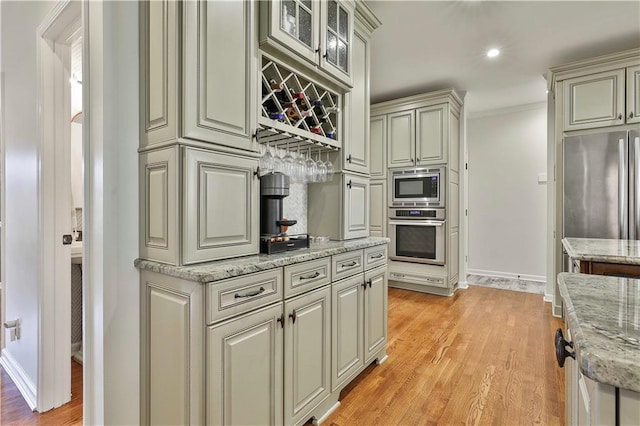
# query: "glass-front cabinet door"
{"type": "Point", "coordinates": [294, 24]}
{"type": "Point", "coordinates": [337, 32]}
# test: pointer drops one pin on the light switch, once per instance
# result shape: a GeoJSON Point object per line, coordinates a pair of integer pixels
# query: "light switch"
{"type": "Point", "coordinates": [542, 178]}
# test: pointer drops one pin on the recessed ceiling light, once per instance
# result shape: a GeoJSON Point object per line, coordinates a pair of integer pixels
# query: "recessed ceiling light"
{"type": "Point", "coordinates": [492, 53]}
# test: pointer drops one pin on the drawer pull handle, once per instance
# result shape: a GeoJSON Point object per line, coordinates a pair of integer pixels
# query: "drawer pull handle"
{"type": "Point", "coordinates": [310, 277]}
{"type": "Point", "coordinates": [250, 294]}
{"type": "Point", "coordinates": [378, 256]}
{"type": "Point", "coordinates": [364, 285]}
{"type": "Point", "coordinates": [293, 316]}
{"type": "Point", "coordinates": [349, 265]}
{"type": "Point", "coordinates": [369, 282]}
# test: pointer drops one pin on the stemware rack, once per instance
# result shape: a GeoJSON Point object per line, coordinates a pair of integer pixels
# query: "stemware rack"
{"type": "Point", "coordinates": [296, 110]}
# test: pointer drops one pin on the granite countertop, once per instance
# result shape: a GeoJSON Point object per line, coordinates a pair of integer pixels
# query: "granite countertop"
{"type": "Point", "coordinates": [603, 314]}
{"type": "Point", "coordinates": [222, 269]}
{"type": "Point", "coordinates": [603, 250]}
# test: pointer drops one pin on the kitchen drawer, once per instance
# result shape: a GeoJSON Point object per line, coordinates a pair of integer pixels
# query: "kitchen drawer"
{"type": "Point", "coordinates": [306, 276]}
{"type": "Point", "coordinates": [418, 279]}
{"type": "Point", "coordinates": [347, 264]}
{"type": "Point", "coordinates": [235, 296]}
{"type": "Point", "coordinates": [375, 256]}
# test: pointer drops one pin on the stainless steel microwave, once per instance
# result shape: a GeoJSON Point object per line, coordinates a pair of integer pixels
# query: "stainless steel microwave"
{"type": "Point", "coordinates": [418, 187]}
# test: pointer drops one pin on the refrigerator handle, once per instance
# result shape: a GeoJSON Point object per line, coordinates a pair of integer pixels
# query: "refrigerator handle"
{"type": "Point", "coordinates": [636, 187]}
{"type": "Point", "coordinates": [623, 189]}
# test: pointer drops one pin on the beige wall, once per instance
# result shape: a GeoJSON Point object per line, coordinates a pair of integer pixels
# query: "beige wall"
{"type": "Point", "coordinates": [507, 204]}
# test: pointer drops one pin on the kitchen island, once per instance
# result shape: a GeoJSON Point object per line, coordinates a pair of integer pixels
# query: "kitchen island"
{"type": "Point", "coordinates": [603, 256]}
{"type": "Point", "coordinates": [262, 339]}
{"type": "Point", "coordinates": [602, 316]}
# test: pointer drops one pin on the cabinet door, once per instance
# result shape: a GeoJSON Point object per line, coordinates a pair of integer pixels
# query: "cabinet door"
{"type": "Point", "coordinates": [159, 71]}
{"type": "Point", "coordinates": [633, 94]}
{"type": "Point", "coordinates": [375, 312]}
{"type": "Point", "coordinates": [244, 370]}
{"type": "Point", "coordinates": [356, 147]}
{"type": "Point", "coordinates": [356, 206]}
{"type": "Point", "coordinates": [432, 133]}
{"type": "Point", "coordinates": [336, 26]}
{"type": "Point", "coordinates": [220, 210]}
{"type": "Point", "coordinates": [378, 147]}
{"type": "Point", "coordinates": [595, 100]}
{"type": "Point", "coordinates": [401, 139]}
{"type": "Point", "coordinates": [347, 313]}
{"type": "Point", "coordinates": [378, 208]}
{"type": "Point", "coordinates": [293, 25]}
{"type": "Point", "coordinates": [219, 72]}
{"type": "Point", "coordinates": [306, 353]}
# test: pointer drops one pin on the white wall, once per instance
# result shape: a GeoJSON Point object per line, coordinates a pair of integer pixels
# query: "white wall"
{"type": "Point", "coordinates": [111, 211]}
{"type": "Point", "coordinates": [507, 205]}
{"type": "Point", "coordinates": [18, 37]}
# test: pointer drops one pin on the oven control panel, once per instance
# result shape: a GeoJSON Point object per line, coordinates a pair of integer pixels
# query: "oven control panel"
{"type": "Point", "coordinates": [425, 213]}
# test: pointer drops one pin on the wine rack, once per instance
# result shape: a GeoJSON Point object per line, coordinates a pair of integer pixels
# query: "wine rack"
{"type": "Point", "coordinates": [296, 110]}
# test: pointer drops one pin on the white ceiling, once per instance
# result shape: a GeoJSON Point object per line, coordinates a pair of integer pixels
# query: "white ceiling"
{"type": "Point", "coordinates": [429, 45]}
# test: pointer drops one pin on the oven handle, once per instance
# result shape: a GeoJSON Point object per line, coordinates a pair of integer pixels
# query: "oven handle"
{"type": "Point", "coordinates": [417, 222]}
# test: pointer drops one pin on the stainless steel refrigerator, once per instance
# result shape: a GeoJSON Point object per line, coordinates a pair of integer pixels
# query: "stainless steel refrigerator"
{"type": "Point", "coordinates": [601, 185]}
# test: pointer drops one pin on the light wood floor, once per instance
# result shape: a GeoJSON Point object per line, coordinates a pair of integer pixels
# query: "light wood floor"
{"type": "Point", "coordinates": [483, 356]}
{"type": "Point", "coordinates": [14, 411]}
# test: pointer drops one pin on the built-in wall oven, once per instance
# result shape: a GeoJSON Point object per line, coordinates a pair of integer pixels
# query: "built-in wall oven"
{"type": "Point", "coordinates": [417, 235]}
{"type": "Point", "coordinates": [421, 187]}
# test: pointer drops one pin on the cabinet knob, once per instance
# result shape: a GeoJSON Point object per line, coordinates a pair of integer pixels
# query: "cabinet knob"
{"type": "Point", "coordinates": [364, 285]}
{"type": "Point", "coordinates": [412, 159]}
{"type": "Point", "coordinates": [280, 319]}
{"type": "Point", "coordinates": [620, 116]}
{"type": "Point", "coordinates": [349, 158]}
{"type": "Point", "coordinates": [369, 282]}
{"type": "Point", "coordinates": [293, 316]}
{"type": "Point", "coordinates": [349, 184]}
{"type": "Point", "coordinates": [561, 348]}
{"type": "Point", "coordinates": [631, 114]}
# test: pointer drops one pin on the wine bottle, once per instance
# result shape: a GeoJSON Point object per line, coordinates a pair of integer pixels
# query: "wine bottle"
{"type": "Point", "coordinates": [332, 110]}
{"type": "Point", "coordinates": [317, 130]}
{"type": "Point", "coordinates": [296, 95]}
{"type": "Point", "coordinates": [311, 122]}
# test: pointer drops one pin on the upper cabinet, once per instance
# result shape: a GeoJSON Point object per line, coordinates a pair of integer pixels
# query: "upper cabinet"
{"type": "Point", "coordinates": [218, 70]}
{"type": "Point", "coordinates": [598, 92]}
{"type": "Point", "coordinates": [419, 130]}
{"type": "Point", "coordinates": [198, 71]}
{"type": "Point", "coordinates": [633, 94]}
{"type": "Point", "coordinates": [315, 33]}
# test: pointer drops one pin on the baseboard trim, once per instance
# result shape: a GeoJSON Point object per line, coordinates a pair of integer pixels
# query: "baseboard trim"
{"type": "Point", "coordinates": [509, 275]}
{"type": "Point", "coordinates": [463, 285]}
{"type": "Point", "coordinates": [20, 379]}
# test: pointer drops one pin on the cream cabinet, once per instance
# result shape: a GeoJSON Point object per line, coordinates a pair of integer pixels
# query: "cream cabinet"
{"type": "Point", "coordinates": [316, 33]}
{"type": "Point", "coordinates": [245, 369]}
{"type": "Point", "coordinates": [307, 353]}
{"type": "Point", "coordinates": [346, 219]}
{"type": "Point", "coordinates": [198, 72]}
{"type": "Point", "coordinates": [378, 147]}
{"type": "Point", "coordinates": [215, 207]}
{"type": "Point", "coordinates": [633, 94]}
{"type": "Point", "coordinates": [602, 99]}
{"type": "Point", "coordinates": [220, 211]}
{"type": "Point", "coordinates": [418, 137]}
{"type": "Point", "coordinates": [595, 100]}
{"type": "Point", "coordinates": [378, 210]}
{"type": "Point", "coordinates": [375, 306]}
{"type": "Point", "coordinates": [218, 72]}
{"type": "Point", "coordinates": [355, 148]}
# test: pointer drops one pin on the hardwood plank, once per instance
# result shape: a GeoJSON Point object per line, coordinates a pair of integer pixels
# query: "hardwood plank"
{"type": "Point", "coordinates": [14, 410]}
{"type": "Point", "coordinates": [483, 356]}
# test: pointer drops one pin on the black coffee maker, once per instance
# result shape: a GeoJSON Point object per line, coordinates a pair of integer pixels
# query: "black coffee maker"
{"type": "Point", "coordinates": [274, 187]}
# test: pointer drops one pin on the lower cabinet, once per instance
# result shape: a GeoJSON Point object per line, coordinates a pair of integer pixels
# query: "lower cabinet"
{"type": "Point", "coordinates": [244, 369]}
{"type": "Point", "coordinates": [307, 343]}
{"type": "Point", "coordinates": [280, 361]}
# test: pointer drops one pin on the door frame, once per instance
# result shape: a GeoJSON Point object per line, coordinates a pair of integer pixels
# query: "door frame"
{"type": "Point", "coordinates": [62, 23]}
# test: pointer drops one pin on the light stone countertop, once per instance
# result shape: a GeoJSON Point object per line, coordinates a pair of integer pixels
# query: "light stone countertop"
{"type": "Point", "coordinates": [603, 314]}
{"type": "Point", "coordinates": [603, 250]}
{"type": "Point", "coordinates": [222, 269]}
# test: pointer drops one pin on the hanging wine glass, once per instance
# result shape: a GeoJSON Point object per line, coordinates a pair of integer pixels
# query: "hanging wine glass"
{"type": "Point", "coordinates": [289, 166]}
{"type": "Point", "coordinates": [330, 170]}
{"type": "Point", "coordinates": [266, 161]}
{"type": "Point", "coordinates": [321, 169]}
{"type": "Point", "coordinates": [301, 167]}
{"type": "Point", "coordinates": [311, 167]}
{"type": "Point", "coordinates": [278, 164]}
